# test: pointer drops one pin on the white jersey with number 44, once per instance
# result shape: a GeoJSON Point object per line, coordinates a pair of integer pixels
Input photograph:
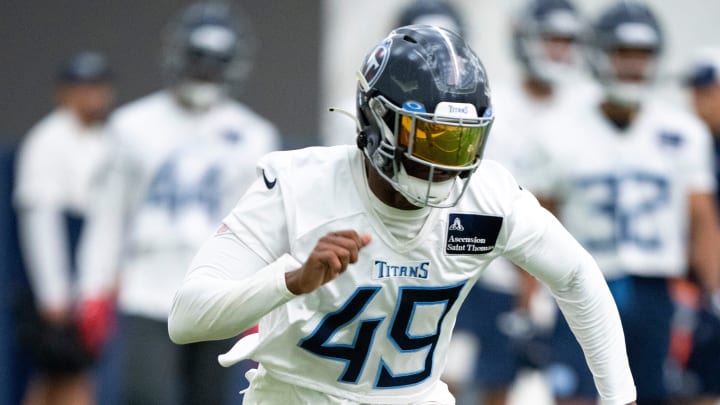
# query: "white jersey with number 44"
{"type": "Point", "coordinates": [173, 176]}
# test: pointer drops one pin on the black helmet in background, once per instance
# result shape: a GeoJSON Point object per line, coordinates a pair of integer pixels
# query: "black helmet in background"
{"type": "Point", "coordinates": [440, 13]}
{"type": "Point", "coordinates": [546, 36]}
{"type": "Point", "coordinates": [625, 48]}
{"type": "Point", "coordinates": [207, 52]}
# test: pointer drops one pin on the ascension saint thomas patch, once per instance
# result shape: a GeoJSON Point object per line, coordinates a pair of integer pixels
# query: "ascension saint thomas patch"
{"type": "Point", "coordinates": [472, 234]}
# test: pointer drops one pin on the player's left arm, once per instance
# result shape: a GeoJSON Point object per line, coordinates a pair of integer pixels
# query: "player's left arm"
{"type": "Point", "coordinates": [705, 240]}
{"type": "Point", "coordinates": [696, 167]}
{"type": "Point", "coordinates": [537, 242]}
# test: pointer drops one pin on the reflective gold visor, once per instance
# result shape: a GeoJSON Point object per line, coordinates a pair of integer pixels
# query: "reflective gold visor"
{"type": "Point", "coordinates": [443, 144]}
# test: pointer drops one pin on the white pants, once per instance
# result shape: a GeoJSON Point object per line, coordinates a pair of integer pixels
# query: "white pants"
{"type": "Point", "coordinates": [267, 390]}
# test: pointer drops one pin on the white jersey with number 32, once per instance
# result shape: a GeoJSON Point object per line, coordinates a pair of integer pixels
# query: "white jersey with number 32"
{"type": "Point", "coordinates": [624, 194]}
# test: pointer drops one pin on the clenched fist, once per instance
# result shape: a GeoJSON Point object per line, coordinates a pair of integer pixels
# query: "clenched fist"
{"type": "Point", "coordinates": [330, 257]}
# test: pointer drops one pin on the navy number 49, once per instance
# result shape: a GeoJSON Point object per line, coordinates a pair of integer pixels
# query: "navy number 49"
{"type": "Point", "coordinates": [355, 354]}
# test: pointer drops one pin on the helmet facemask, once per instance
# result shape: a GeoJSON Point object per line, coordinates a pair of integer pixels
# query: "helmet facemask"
{"type": "Point", "coordinates": [428, 157]}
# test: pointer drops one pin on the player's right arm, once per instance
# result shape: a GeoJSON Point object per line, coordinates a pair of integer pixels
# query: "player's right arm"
{"type": "Point", "coordinates": [244, 271]}
{"type": "Point", "coordinates": [229, 287]}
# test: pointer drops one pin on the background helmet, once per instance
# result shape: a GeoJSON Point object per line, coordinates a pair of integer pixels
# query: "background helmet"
{"type": "Point", "coordinates": [84, 67]}
{"type": "Point", "coordinates": [626, 25]}
{"type": "Point", "coordinates": [440, 13]}
{"type": "Point", "coordinates": [208, 42]}
{"type": "Point", "coordinates": [545, 19]}
{"type": "Point", "coordinates": [423, 101]}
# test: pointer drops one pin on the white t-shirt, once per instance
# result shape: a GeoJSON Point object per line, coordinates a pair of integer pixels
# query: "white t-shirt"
{"type": "Point", "coordinates": [624, 194]}
{"type": "Point", "coordinates": [174, 174]}
{"type": "Point", "coordinates": [379, 333]}
{"type": "Point", "coordinates": [55, 167]}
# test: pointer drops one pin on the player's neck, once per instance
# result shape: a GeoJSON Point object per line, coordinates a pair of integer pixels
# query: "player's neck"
{"type": "Point", "coordinates": [620, 115]}
{"type": "Point", "coordinates": [384, 191]}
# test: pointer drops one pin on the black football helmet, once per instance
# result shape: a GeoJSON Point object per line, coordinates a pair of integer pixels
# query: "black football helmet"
{"type": "Point", "coordinates": [209, 42]}
{"type": "Point", "coordinates": [625, 26]}
{"type": "Point", "coordinates": [440, 13]}
{"type": "Point", "coordinates": [539, 20]}
{"type": "Point", "coordinates": [84, 67]}
{"type": "Point", "coordinates": [423, 101]}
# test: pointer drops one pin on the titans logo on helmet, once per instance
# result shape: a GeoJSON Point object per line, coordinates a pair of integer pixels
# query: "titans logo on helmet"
{"type": "Point", "coordinates": [375, 63]}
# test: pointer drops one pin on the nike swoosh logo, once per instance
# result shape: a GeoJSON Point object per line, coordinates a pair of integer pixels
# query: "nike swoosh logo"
{"type": "Point", "coordinates": [269, 184]}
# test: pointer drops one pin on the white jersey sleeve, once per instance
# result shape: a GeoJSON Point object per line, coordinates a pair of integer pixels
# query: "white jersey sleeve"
{"type": "Point", "coordinates": [246, 272]}
{"type": "Point", "coordinates": [38, 199]}
{"type": "Point", "coordinates": [538, 243]}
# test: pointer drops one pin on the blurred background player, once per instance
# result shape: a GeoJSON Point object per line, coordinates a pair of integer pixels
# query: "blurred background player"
{"type": "Point", "coordinates": [337, 129]}
{"type": "Point", "coordinates": [58, 159]}
{"type": "Point", "coordinates": [181, 158]}
{"type": "Point", "coordinates": [632, 179]}
{"type": "Point", "coordinates": [499, 324]}
{"type": "Point", "coordinates": [701, 364]}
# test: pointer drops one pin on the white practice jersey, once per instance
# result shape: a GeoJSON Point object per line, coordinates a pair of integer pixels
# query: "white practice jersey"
{"type": "Point", "coordinates": [173, 176]}
{"type": "Point", "coordinates": [55, 166]}
{"type": "Point", "coordinates": [57, 161]}
{"type": "Point", "coordinates": [379, 333]}
{"type": "Point", "coordinates": [624, 194]}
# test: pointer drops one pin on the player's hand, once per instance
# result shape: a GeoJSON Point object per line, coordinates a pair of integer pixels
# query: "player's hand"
{"type": "Point", "coordinates": [714, 303]}
{"type": "Point", "coordinates": [330, 258]}
{"type": "Point", "coordinates": [56, 315]}
{"type": "Point", "coordinates": [96, 322]}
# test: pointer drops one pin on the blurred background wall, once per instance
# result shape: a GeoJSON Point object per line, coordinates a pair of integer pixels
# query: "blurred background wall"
{"type": "Point", "coordinates": [36, 35]}
{"type": "Point", "coordinates": [351, 28]}
{"type": "Point", "coordinates": [306, 61]}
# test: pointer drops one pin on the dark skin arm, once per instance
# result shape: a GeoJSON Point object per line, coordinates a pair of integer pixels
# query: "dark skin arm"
{"type": "Point", "coordinates": [330, 258]}
{"type": "Point", "coordinates": [704, 240]}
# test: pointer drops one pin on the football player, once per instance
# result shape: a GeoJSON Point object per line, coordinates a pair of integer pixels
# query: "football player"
{"type": "Point", "coordinates": [703, 81]}
{"type": "Point", "coordinates": [181, 157]}
{"type": "Point", "coordinates": [57, 161]}
{"type": "Point", "coordinates": [632, 180]}
{"type": "Point", "coordinates": [355, 261]}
